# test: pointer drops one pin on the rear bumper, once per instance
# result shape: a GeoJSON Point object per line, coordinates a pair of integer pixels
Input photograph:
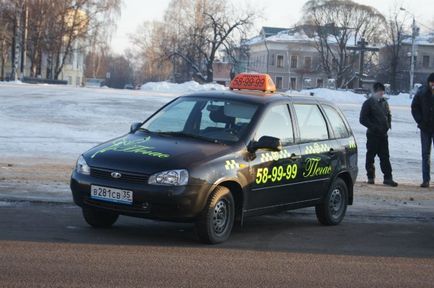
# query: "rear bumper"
{"type": "Point", "coordinates": [181, 204]}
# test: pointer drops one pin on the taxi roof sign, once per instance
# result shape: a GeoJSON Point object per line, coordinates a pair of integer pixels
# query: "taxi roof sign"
{"type": "Point", "coordinates": [250, 81]}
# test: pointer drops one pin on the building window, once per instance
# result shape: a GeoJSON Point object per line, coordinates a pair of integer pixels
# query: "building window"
{"type": "Point", "coordinates": [279, 82]}
{"type": "Point", "coordinates": [280, 61]}
{"type": "Point", "coordinates": [272, 60]}
{"type": "Point", "coordinates": [294, 62]}
{"type": "Point", "coordinates": [319, 83]}
{"type": "Point", "coordinates": [425, 62]}
{"type": "Point", "coordinates": [293, 83]}
{"type": "Point", "coordinates": [307, 62]}
{"type": "Point", "coordinates": [307, 83]}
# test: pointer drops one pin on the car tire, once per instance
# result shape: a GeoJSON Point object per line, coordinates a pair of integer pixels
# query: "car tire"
{"type": "Point", "coordinates": [215, 222]}
{"type": "Point", "coordinates": [98, 218]}
{"type": "Point", "coordinates": [332, 209]}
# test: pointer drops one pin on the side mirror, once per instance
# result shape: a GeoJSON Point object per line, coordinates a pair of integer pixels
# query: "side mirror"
{"type": "Point", "coordinates": [134, 127]}
{"type": "Point", "coordinates": [267, 143]}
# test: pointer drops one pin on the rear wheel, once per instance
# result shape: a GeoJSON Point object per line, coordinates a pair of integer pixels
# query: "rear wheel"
{"type": "Point", "coordinates": [215, 223]}
{"type": "Point", "coordinates": [332, 210]}
{"type": "Point", "coordinates": [99, 218]}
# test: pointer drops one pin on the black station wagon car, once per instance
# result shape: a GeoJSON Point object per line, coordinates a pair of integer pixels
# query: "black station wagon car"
{"type": "Point", "coordinates": [216, 157]}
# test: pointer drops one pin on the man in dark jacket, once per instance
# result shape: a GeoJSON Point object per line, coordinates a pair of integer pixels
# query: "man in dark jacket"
{"type": "Point", "coordinates": [375, 115]}
{"type": "Point", "coordinates": [422, 108]}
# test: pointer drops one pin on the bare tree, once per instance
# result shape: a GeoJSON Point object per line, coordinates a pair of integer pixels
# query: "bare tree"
{"type": "Point", "coordinates": [39, 15]}
{"type": "Point", "coordinates": [75, 20]}
{"type": "Point", "coordinates": [337, 24]}
{"type": "Point", "coordinates": [55, 28]}
{"type": "Point", "coordinates": [214, 29]}
{"type": "Point", "coordinates": [191, 36]}
{"type": "Point", "coordinates": [149, 49]}
{"type": "Point", "coordinates": [100, 31]}
{"type": "Point", "coordinates": [6, 25]}
{"type": "Point", "coordinates": [397, 31]}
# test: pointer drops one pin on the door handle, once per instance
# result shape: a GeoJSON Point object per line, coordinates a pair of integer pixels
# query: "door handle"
{"type": "Point", "coordinates": [294, 156]}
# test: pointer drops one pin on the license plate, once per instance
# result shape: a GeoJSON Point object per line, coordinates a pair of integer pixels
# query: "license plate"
{"type": "Point", "coordinates": [111, 194]}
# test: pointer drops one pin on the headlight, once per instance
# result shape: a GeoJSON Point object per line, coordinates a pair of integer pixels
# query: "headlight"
{"type": "Point", "coordinates": [82, 166]}
{"type": "Point", "coordinates": [170, 178]}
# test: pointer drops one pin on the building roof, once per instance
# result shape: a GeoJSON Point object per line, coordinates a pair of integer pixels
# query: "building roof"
{"type": "Point", "coordinates": [426, 40]}
{"type": "Point", "coordinates": [284, 35]}
{"type": "Point", "coordinates": [269, 31]}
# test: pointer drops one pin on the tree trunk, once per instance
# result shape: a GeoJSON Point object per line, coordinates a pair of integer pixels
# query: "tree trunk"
{"type": "Point", "coordinates": [2, 72]}
{"type": "Point", "coordinates": [209, 73]}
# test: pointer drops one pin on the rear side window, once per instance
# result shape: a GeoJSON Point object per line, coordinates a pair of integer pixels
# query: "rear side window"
{"type": "Point", "coordinates": [311, 123]}
{"type": "Point", "coordinates": [336, 121]}
{"type": "Point", "coordinates": [276, 123]}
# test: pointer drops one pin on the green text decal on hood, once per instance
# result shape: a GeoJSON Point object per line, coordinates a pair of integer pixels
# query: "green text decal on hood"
{"type": "Point", "coordinates": [135, 146]}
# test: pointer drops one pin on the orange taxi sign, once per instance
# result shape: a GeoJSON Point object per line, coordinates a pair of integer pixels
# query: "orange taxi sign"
{"type": "Point", "coordinates": [250, 81]}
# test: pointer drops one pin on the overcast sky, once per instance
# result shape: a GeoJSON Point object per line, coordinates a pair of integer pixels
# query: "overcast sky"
{"type": "Point", "coordinates": [277, 13]}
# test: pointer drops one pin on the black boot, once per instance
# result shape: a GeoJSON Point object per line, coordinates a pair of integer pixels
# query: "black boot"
{"type": "Point", "coordinates": [425, 184]}
{"type": "Point", "coordinates": [390, 182]}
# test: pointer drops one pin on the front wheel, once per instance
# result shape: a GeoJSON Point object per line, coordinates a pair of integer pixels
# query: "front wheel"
{"type": "Point", "coordinates": [332, 210]}
{"type": "Point", "coordinates": [215, 223]}
{"type": "Point", "coordinates": [99, 218]}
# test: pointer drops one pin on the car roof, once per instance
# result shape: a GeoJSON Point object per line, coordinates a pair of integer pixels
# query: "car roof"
{"type": "Point", "coordinates": [258, 97]}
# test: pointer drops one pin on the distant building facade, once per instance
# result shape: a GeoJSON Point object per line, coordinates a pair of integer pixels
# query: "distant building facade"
{"type": "Point", "coordinates": [72, 72]}
{"type": "Point", "coordinates": [423, 65]}
{"type": "Point", "coordinates": [289, 56]}
{"type": "Point", "coordinates": [222, 72]}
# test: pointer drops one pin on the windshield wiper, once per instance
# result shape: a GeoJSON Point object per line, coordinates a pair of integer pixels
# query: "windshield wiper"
{"type": "Point", "coordinates": [188, 135]}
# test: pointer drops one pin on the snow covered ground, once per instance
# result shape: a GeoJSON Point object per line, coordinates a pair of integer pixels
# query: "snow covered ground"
{"type": "Point", "coordinates": [43, 129]}
{"type": "Point", "coordinates": [191, 86]}
{"type": "Point", "coordinates": [60, 122]}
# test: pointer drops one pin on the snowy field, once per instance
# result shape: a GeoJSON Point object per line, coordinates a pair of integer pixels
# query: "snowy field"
{"type": "Point", "coordinates": [57, 123]}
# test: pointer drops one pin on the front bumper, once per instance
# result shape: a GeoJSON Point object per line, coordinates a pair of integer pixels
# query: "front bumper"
{"type": "Point", "coordinates": [181, 204]}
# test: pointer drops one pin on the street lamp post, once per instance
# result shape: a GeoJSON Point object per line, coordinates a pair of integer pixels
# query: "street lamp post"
{"type": "Point", "coordinates": [413, 49]}
{"type": "Point", "coordinates": [413, 38]}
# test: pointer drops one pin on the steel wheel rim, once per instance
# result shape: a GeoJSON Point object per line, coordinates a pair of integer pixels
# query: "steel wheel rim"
{"type": "Point", "coordinates": [336, 203]}
{"type": "Point", "coordinates": [220, 216]}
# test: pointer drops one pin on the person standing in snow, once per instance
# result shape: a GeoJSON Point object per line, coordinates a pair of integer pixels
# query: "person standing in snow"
{"type": "Point", "coordinates": [422, 108]}
{"type": "Point", "coordinates": [375, 115]}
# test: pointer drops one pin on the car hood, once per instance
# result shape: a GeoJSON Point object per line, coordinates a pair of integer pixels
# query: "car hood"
{"type": "Point", "coordinates": [150, 153]}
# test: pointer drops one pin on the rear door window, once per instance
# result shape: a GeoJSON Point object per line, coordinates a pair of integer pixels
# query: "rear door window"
{"type": "Point", "coordinates": [338, 125]}
{"type": "Point", "coordinates": [311, 123]}
{"type": "Point", "coordinates": [277, 123]}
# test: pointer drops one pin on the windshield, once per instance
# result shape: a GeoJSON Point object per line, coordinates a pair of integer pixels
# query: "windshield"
{"type": "Point", "coordinates": [211, 120]}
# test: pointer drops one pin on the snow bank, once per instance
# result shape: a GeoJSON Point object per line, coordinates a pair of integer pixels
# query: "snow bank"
{"type": "Point", "coordinates": [190, 86]}
{"type": "Point", "coordinates": [11, 82]}
{"type": "Point", "coordinates": [349, 97]}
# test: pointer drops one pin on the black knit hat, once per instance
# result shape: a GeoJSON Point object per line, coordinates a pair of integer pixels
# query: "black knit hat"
{"type": "Point", "coordinates": [430, 78]}
{"type": "Point", "coordinates": [378, 87]}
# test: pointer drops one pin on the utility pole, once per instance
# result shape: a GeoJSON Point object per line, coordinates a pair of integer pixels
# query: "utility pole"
{"type": "Point", "coordinates": [268, 53]}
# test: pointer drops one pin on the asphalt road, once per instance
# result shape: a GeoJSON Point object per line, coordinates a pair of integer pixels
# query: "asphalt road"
{"type": "Point", "coordinates": [49, 245]}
